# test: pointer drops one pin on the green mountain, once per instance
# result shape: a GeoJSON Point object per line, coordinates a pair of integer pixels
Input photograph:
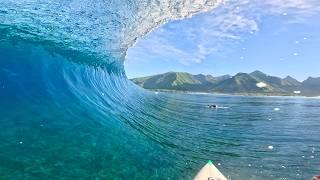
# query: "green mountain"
{"type": "Point", "coordinates": [258, 83]}
{"type": "Point", "coordinates": [243, 83]}
{"type": "Point", "coordinates": [179, 81]}
{"type": "Point", "coordinates": [311, 86]}
{"type": "Point", "coordinates": [255, 83]}
{"type": "Point", "coordinates": [290, 81]}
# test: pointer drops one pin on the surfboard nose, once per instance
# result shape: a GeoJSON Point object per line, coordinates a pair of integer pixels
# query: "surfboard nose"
{"type": "Point", "coordinates": [316, 177]}
{"type": "Point", "coordinates": [209, 172]}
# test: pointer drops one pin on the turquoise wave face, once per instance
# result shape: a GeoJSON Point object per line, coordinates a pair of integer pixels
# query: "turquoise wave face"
{"type": "Point", "coordinates": [64, 119]}
{"type": "Point", "coordinates": [67, 120]}
{"type": "Point", "coordinates": [67, 109]}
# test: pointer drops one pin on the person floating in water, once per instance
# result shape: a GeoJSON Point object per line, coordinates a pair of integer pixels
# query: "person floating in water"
{"type": "Point", "coordinates": [212, 106]}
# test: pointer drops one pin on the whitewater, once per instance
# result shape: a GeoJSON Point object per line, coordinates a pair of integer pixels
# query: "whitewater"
{"type": "Point", "coordinates": [68, 111]}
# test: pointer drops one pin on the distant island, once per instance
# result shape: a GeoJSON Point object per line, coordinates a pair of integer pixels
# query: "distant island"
{"type": "Point", "coordinates": [256, 83]}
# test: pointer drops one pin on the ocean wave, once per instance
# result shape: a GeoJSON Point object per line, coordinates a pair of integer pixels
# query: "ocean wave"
{"type": "Point", "coordinates": [105, 29]}
{"type": "Point", "coordinates": [67, 109]}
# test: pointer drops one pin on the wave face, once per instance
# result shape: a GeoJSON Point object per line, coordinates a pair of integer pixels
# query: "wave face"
{"type": "Point", "coordinates": [68, 111]}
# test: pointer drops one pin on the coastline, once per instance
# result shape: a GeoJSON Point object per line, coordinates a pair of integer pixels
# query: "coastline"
{"type": "Point", "coordinates": [233, 94]}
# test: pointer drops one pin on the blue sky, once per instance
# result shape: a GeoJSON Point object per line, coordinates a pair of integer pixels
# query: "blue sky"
{"type": "Point", "coordinates": [278, 37]}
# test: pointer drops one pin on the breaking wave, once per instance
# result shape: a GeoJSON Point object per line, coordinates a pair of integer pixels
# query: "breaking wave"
{"type": "Point", "coordinates": [68, 110]}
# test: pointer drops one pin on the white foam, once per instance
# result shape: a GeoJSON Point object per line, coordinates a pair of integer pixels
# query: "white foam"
{"type": "Point", "coordinates": [222, 107]}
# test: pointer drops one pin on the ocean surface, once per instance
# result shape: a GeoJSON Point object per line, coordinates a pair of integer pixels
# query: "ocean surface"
{"type": "Point", "coordinates": [68, 111]}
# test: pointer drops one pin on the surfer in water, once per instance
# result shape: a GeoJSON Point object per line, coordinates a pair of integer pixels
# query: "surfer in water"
{"type": "Point", "coordinates": [212, 106]}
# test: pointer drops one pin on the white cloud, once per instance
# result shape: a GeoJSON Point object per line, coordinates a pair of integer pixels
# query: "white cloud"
{"type": "Point", "coordinates": [161, 47]}
{"type": "Point", "coordinates": [298, 10]}
{"type": "Point", "coordinates": [301, 7]}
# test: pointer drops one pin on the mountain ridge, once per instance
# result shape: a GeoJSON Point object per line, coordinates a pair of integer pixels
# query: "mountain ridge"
{"type": "Point", "coordinates": [254, 83]}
